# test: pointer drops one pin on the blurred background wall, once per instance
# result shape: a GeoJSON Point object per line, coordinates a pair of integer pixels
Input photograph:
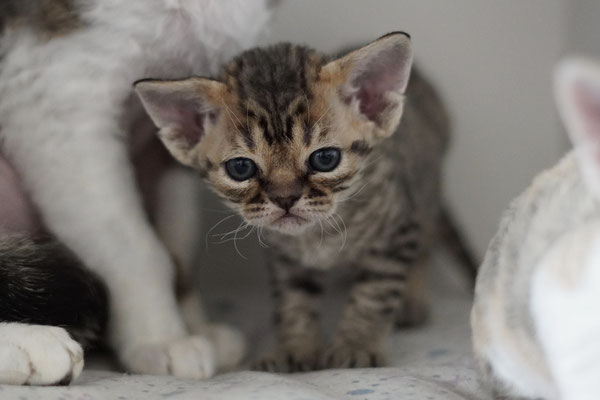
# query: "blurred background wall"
{"type": "Point", "coordinates": [491, 60]}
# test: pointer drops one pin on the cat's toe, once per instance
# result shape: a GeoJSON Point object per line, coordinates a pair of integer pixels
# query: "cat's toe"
{"type": "Point", "coordinates": [39, 355]}
{"type": "Point", "coordinates": [287, 362]}
{"type": "Point", "coordinates": [192, 357]}
{"type": "Point", "coordinates": [348, 356]}
{"type": "Point", "coordinates": [230, 345]}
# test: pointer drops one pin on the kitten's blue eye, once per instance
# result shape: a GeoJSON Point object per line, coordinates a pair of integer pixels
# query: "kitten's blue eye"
{"type": "Point", "coordinates": [240, 168]}
{"type": "Point", "coordinates": [325, 159]}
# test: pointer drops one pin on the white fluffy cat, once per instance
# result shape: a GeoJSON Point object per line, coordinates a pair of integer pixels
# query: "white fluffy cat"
{"type": "Point", "coordinates": [536, 326]}
{"type": "Point", "coordinates": [70, 127]}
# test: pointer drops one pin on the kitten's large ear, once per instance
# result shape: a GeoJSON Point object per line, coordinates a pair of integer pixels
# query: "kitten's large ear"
{"type": "Point", "coordinates": [577, 88]}
{"type": "Point", "coordinates": [373, 79]}
{"type": "Point", "coordinates": [183, 110]}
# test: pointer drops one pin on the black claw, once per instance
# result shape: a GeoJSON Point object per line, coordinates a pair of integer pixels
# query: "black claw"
{"type": "Point", "coordinates": [66, 381]}
{"type": "Point", "coordinates": [329, 362]}
{"type": "Point", "coordinates": [373, 360]}
{"type": "Point", "coordinates": [352, 362]}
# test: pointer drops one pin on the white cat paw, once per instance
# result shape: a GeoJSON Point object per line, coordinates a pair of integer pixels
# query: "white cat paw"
{"type": "Point", "coordinates": [230, 345]}
{"type": "Point", "coordinates": [191, 358]}
{"type": "Point", "coordinates": [38, 355]}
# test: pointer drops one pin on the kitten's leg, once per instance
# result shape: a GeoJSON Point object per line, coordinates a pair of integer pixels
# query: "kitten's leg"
{"type": "Point", "coordinates": [375, 300]}
{"type": "Point", "coordinates": [415, 310]}
{"type": "Point", "coordinates": [178, 217]}
{"type": "Point", "coordinates": [38, 355]}
{"type": "Point", "coordinates": [299, 339]}
{"type": "Point", "coordinates": [78, 173]}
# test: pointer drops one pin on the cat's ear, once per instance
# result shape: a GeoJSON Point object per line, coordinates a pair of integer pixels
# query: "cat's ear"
{"type": "Point", "coordinates": [373, 79]}
{"type": "Point", "coordinates": [577, 88]}
{"type": "Point", "coordinates": [183, 110]}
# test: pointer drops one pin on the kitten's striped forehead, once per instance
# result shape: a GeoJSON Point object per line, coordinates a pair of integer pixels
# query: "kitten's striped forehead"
{"type": "Point", "coordinates": [274, 87]}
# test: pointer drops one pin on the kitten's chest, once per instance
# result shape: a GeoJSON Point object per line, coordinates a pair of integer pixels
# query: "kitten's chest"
{"type": "Point", "coordinates": [364, 222]}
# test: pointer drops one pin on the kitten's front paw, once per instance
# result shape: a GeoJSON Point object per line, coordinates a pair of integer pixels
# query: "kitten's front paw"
{"type": "Point", "coordinates": [288, 361]}
{"type": "Point", "coordinates": [38, 355]}
{"type": "Point", "coordinates": [192, 357]}
{"type": "Point", "coordinates": [351, 356]}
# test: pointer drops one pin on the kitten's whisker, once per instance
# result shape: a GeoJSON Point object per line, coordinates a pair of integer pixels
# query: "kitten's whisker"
{"type": "Point", "coordinates": [357, 192]}
{"type": "Point", "coordinates": [320, 118]}
{"type": "Point", "coordinates": [335, 227]}
{"type": "Point", "coordinates": [345, 237]}
{"type": "Point", "coordinates": [260, 241]}
{"type": "Point", "coordinates": [236, 247]}
{"type": "Point", "coordinates": [222, 235]}
{"type": "Point", "coordinates": [373, 161]}
{"type": "Point", "coordinates": [339, 230]}
{"type": "Point", "coordinates": [321, 240]}
{"type": "Point", "coordinates": [241, 238]}
{"type": "Point", "coordinates": [214, 210]}
{"type": "Point", "coordinates": [353, 195]}
{"type": "Point", "coordinates": [229, 112]}
{"type": "Point", "coordinates": [214, 226]}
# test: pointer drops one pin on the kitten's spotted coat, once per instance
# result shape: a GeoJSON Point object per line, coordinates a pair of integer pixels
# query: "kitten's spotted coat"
{"type": "Point", "coordinates": [297, 143]}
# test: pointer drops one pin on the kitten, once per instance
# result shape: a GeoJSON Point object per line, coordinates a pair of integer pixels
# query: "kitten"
{"type": "Point", "coordinates": [71, 132]}
{"type": "Point", "coordinates": [535, 326]}
{"type": "Point", "coordinates": [295, 142]}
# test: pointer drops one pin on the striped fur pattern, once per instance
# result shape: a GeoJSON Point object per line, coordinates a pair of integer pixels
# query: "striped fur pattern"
{"type": "Point", "coordinates": [374, 214]}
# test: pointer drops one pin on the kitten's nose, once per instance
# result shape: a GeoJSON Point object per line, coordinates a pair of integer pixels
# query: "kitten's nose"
{"type": "Point", "coordinates": [285, 202]}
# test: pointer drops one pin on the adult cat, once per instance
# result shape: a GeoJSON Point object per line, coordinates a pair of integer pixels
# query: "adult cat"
{"type": "Point", "coordinates": [535, 323]}
{"type": "Point", "coordinates": [70, 129]}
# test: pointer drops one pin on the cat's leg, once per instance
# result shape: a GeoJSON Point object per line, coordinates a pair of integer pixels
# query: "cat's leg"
{"type": "Point", "coordinates": [178, 222]}
{"type": "Point", "coordinates": [367, 319]}
{"type": "Point", "coordinates": [38, 355]}
{"type": "Point", "coordinates": [415, 309]}
{"type": "Point", "coordinates": [78, 173]}
{"type": "Point", "coordinates": [299, 340]}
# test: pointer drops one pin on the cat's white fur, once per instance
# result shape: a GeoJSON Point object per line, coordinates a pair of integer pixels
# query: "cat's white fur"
{"type": "Point", "coordinates": [65, 111]}
{"type": "Point", "coordinates": [37, 355]}
{"type": "Point", "coordinates": [536, 328]}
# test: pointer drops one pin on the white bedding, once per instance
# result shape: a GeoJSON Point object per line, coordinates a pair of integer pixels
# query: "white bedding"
{"type": "Point", "coordinates": [427, 363]}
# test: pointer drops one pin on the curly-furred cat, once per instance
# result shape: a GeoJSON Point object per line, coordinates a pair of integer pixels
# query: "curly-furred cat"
{"type": "Point", "coordinates": [73, 139]}
{"type": "Point", "coordinates": [536, 328]}
{"type": "Point", "coordinates": [295, 142]}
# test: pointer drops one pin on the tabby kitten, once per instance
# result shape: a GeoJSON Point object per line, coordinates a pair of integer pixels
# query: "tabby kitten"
{"type": "Point", "coordinates": [535, 322]}
{"type": "Point", "coordinates": [294, 142]}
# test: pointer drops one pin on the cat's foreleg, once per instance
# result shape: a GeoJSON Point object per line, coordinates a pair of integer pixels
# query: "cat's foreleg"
{"type": "Point", "coordinates": [295, 293]}
{"type": "Point", "coordinates": [178, 222]}
{"type": "Point", "coordinates": [79, 175]}
{"type": "Point", "coordinates": [367, 319]}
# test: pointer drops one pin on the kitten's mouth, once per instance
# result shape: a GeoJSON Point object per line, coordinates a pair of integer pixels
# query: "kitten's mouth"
{"type": "Point", "coordinates": [290, 223]}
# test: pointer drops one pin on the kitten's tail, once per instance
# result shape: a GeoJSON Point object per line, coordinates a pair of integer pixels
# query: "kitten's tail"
{"type": "Point", "coordinates": [43, 283]}
{"type": "Point", "coordinates": [452, 236]}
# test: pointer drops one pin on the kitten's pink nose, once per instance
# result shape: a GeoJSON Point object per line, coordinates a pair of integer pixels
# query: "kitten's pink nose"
{"type": "Point", "coordinates": [285, 202]}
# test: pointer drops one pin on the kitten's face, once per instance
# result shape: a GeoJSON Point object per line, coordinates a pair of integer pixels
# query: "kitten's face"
{"type": "Point", "coordinates": [286, 178]}
{"type": "Point", "coordinates": [283, 135]}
